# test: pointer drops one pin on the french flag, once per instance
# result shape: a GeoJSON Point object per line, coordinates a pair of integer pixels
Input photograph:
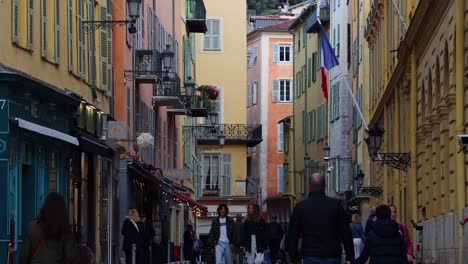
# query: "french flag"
{"type": "Point", "coordinates": [328, 60]}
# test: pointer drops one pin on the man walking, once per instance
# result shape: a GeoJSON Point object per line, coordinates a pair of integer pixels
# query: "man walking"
{"type": "Point", "coordinates": [276, 234]}
{"type": "Point", "coordinates": [222, 235]}
{"type": "Point", "coordinates": [238, 238]}
{"type": "Point", "coordinates": [322, 224]}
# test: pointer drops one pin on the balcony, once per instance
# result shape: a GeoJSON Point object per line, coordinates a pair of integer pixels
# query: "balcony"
{"type": "Point", "coordinates": [167, 91]}
{"type": "Point", "coordinates": [196, 16]}
{"type": "Point", "coordinates": [324, 16]}
{"type": "Point", "coordinates": [251, 135]}
{"type": "Point", "coordinates": [148, 67]}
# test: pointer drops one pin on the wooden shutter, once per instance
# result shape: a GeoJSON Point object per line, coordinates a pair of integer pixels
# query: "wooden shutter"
{"type": "Point", "coordinates": [80, 37]}
{"type": "Point", "coordinates": [275, 97]}
{"type": "Point", "coordinates": [226, 167]}
{"type": "Point", "coordinates": [276, 55]}
{"type": "Point", "coordinates": [15, 21]}
{"type": "Point", "coordinates": [44, 29]}
{"type": "Point", "coordinates": [309, 71]}
{"type": "Point", "coordinates": [137, 123]}
{"type": "Point", "coordinates": [280, 138]}
{"type": "Point", "coordinates": [280, 179]}
{"type": "Point", "coordinates": [109, 56]}
{"type": "Point", "coordinates": [30, 24]}
{"type": "Point", "coordinates": [304, 117]}
{"type": "Point", "coordinates": [104, 52]}
{"type": "Point", "coordinates": [70, 35]}
{"type": "Point", "coordinates": [291, 90]}
{"type": "Point", "coordinates": [216, 35]}
{"type": "Point", "coordinates": [57, 31]}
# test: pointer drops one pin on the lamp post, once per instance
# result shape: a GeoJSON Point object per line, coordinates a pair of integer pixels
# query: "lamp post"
{"type": "Point", "coordinates": [167, 56]}
{"type": "Point", "coordinates": [371, 190]}
{"type": "Point", "coordinates": [326, 152]}
{"type": "Point", "coordinates": [286, 166]}
{"type": "Point", "coordinates": [189, 87]}
{"type": "Point", "coordinates": [213, 116]}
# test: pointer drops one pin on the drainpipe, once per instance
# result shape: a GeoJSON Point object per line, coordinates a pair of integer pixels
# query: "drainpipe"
{"type": "Point", "coordinates": [459, 113]}
{"type": "Point", "coordinates": [293, 178]}
{"type": "Point", "coordinates": [413, 119]}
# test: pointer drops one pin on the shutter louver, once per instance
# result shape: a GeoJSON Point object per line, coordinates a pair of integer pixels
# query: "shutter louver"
{"type": "Point", "coordinates": [103, 35]}
{"type": "Point", "coordinates": [137, 124]}
{"type": "Point", "coordinates": [226, 190]}
{"type": "Point", "coordinates": [215, 36]}
{"type": "Point", "coordinates": [275, 90]}
{"type": "Point", "coordinates": [109, 57]}
{"type": "Point", "coordinates": [280, 140]}
{"type": "Point", "coordinates": [276, 53]}
{"type": "Point", "coordinates": [44, 29]}
{"type": "Point", "coordinates": [70, 35]}
{"type": "Point", "coordinates": [80, 36]}
{"type": "Point", "coordinates": [15, 22]}
{"type": "Point", "coordinates": [30, 24]}
{"type": "Point", "coordinates": [57, 31]}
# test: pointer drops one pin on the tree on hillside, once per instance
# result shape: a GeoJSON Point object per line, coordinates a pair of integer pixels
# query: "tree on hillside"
{"type": "Point", "coordinates": [261, 6]}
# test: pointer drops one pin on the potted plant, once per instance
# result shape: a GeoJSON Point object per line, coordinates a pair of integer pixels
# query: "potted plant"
{"type": "Point", "coordinates": [208, 94]}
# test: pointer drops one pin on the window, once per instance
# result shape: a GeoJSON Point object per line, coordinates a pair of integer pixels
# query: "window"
{"type": "Point", "coordinates": [280, 137]}
{"type": "Point", "coordinates": [212, 37]}
{"type": "Point", "coordinates": [216, 174]}
{"type": "Point", "coordinates": [335, 110]}
{"type": "Point", "coordinates": [23, 23]}
{"type": "Point", "coordinates": [280, 179]}
{"type": "Point", "coordinates": [282, 53]}
{"type": "Point", "coordinates": [282, 91]}
{"type": "Point", "coordinates": [254, 93]}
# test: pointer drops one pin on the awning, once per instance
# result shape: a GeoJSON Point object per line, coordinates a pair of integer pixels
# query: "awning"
{"type": "Point", "coordinates": [93, 146]}
{"type": "Point", "coordinates": [185, 197]}
{"type": "Point", "coordinates": [177, 174]}
{"type": "Point", "coordinates": [45, 131]}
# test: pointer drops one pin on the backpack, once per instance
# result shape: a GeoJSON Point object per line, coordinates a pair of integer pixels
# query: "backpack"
{"type": "Point", "coordinates": [196, 246]}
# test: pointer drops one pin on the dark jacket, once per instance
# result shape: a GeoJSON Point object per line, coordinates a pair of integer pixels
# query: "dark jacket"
{"type": "Point", "coordinates": [369, 222]}
{"type": "Point", "coordinates": [384, 244]}
{"type": "Point", "coordinates": [215, 231]}
{"type": "Point", "coordinates": [322, 224]}
{"type": "Point", "coordinates": [188, 244]}
{"type": "Point", "coordinates": [48, 251]}
{"type": "Point", "coordinates": [238, 233]}
{"type": "Point", "coordinates": [275, 231]}
{"type": "Point", "coordinates": [131, 235]}
{"type": "Point", "coordinates": [260, 231]}
{"type": "Point", "coordinates": [357, 231]}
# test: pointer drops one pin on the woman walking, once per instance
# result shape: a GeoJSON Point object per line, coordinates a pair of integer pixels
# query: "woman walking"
{"type": "Point", "coordinates": [358, 235]}
{"type": "Point", "coordinates": [132, 236]}
{"type": "Point", "coordinates": [48, 239]}
{"type": "Point", "coordinates": [255, 235]}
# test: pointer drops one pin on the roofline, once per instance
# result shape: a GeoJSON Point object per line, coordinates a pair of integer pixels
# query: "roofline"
{"type": "Point", "coordinates": [299, 19]}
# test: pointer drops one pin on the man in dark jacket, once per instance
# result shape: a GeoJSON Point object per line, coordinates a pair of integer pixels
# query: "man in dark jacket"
{"type": "Point", "coordinates": [222, 235]}
{"type": "Point", "coordinates": [384, 243]}
{"type": "Point", "coordinates": [238, 238]}
{"type": "Point", "coordinates": [276, 234]}
{"type": "Point", "coordinates": [322, 224]}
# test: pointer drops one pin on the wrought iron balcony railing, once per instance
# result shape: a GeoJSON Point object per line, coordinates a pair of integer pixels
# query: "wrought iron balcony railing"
{"type": "Point", "coordinates": [324, 16]}
{"type": "Point", "coordinates": [166, 92]}
{"type": "Point", "coordinates": [232, 133]}
{"type": "Point", "coordinates": [196, 16]}
{"type": "Point", "coordinates": [148, 67]}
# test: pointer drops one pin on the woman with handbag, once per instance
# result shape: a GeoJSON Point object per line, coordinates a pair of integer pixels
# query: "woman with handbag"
{"type": "Point", "coordinates": [48, 239]}
{"type": "Point", "coordinates": [255, 235]}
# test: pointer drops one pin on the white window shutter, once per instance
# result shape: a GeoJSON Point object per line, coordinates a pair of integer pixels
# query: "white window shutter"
{"type": "Point", "coordinates": [248, 95]}
{"type": "Point", "coordinates": [291, 88]}
{"type": "Point", "coordinates": [215, 36]}
{"type": "Point", "coordinates": [30, 24]}
{"type": "Point", "coordinates": [275, 53]}
{"type": "Point", "coordinates": [57, 31]}
{"type": "Point", "coordinates": [226, 167]}
{"type": "Point", "coordinates": [291, 53]}
{"type": "Point", "coordinates": [280, 139]}
{"type": "Point", "coordinates": [70, 35]}
{"type": "Point", "coordinates": [275, 90]}
{"type": "Point", "coordinates": [44, 29]}
{"type": "Point", "coordinates": [15, 21]}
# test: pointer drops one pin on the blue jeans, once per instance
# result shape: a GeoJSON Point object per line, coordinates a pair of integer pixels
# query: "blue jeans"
{"type": "Point", "coordinates": [223, 252]}
{"type": "Point", "coordinates": [315, 260]}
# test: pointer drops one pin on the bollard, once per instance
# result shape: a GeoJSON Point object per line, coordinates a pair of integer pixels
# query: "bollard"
{"type": "Point", "coordinates": [133, 253]}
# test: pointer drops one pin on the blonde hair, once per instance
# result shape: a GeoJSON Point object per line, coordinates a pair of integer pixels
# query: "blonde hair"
{"type": "Point", "coordinates": [133, 214]}
{"type": "Point", "coordinates": [355, 218]}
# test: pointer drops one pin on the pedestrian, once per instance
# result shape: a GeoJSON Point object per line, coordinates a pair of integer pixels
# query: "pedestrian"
{"type": "Point", "coordinates": [238, 238]}
{"type": "Point", "coordinates": [147, 233]}
{"type": "Point", "coordinates": [322, 224]}
{"type": "Point", "coordinates": [276, 232]}
{"type": "Point", "coordinates": [188, 243]}
{"type": "Point", "coordinates": [221, 235]}
{"type": "Point", "coordinates": [370, 220]}
{"type": "Point", "coordinates": [384, 243]}
{"type": "Point", "coordinates": [404, 232]}
{"type": "Point", "coordinates": [132, 236]}
{"type": "Point", "coordinates": [197, 248]}
{"type": "Point", "coordinates": [358, 235]}
{"type": "Point", "coordinates": [255, 235]}
{"type": "Point", "coordinates": [48, 238]}
{"type": "Point", "coordinates": [82, 255]}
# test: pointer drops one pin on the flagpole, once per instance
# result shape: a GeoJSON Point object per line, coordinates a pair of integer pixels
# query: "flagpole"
{"type": "Point", "coordinates": [350, 90]}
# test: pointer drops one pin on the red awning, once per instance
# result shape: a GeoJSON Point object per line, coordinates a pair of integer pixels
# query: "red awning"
{"type": "Point", "coordinates": [185, 197]}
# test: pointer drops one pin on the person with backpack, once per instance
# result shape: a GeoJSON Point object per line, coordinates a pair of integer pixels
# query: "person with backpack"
{"type": "Point", "coordinates": [48, 238]}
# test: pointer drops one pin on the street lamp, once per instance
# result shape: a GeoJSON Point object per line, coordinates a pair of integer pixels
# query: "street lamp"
{"type": "Point", "coordinates": [134, 7]}
{"type": "Point", "coordinates": [167, 55]}
{"type": "Point", "coordinates": [360, 179]}
{"type": "Point", "coordinates": [374, 141]}
{"type": "Point", "coordinates": [326, 152]}
{"type": "Point", "coordinates": [371, 190]}
{"type": "Point", "coordinates": [286, 166]}
{"type": "Point", "coordinates": [189, 87]}
{"type": "Point", "coordinates": [213, 116]}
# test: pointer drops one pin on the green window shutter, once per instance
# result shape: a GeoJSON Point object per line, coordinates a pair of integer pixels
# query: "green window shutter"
{"type": "Point", "coordinates": [57, 31]}
{"type": "Point", "coordinates": [276, 53]}
{"type": "Point", "coordinates": [314, 67]}
{"type": "Point", "coordinates": [80, 37]}
{"type": "Point", "coordinates": [109, 57]}
{"type": "Point", "coordinates": [337, 92]}
{"type": "Point", "coordinates": [291, 88]}
{"type": "Point", "coordinates": [304, 136]}
{"type": "Point", "coordinates": [326, 119]}
{"type": "Point", "coordinates": [304, 76]}
{"type": "Point", "coordinates": [320, 122]}
{"type": "Point", "coordinates": [15, 21]}
{"type": "Point", "coordinates": [104, 52]}
{"type": "Point", "coordinates": [70, 35]}
{"type": "Point", "coordinates": [309, 72]}
{"type": "Point", "coordinates": [44, 29]}
{"type": "Point", "coordinates": [298, 85]}
{"type": "Point", "coordinates": [275, 95]}
{"type": "Point", "coordinates": [310, 126]}
{"type": "Point", "coordinates": [227, 167]}
{"type": "Point", "coordinates": [314, 119]}
{"type": "Point", "coordinates": [30, 24]}
{"type": "Point", "coordinates": [281, 179]}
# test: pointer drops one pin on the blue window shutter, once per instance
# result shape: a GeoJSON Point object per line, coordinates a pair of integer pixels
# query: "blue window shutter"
{"type": "Point", "coordinates": [280, 179]}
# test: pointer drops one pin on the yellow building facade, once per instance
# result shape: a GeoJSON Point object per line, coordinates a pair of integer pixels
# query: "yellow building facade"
{"type": "Point", "coordinates": [416, 95]}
